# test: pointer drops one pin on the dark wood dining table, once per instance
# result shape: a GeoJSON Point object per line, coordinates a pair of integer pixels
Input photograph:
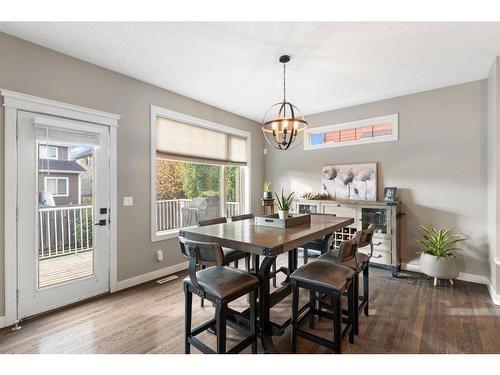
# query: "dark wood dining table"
{"type": "Point", "coordinates": [267, 242]}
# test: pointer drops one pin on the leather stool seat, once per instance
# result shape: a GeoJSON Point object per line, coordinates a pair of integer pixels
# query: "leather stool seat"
{"type": "Point", "coordinates": [361, 260]}
{"type": "Point", "coordinates": [225, 283]}
{"type": "Point", "coordinates": [324, 274]}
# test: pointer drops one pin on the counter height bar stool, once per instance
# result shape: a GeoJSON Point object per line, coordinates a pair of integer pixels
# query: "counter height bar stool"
{"type": "Point", "coordinates": [229, 255]}
{"type": "Point", "coordinates": [320, 244]}
{"type": "Point", "coordinates": [360, 265]}
{"type": "Point", "coordinates": [325, 278]}
{"type": "Point", "coordinates": [220, 285]}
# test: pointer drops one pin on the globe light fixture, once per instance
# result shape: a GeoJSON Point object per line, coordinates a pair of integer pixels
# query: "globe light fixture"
{"type": "Point", "coordinates": [283, 124]}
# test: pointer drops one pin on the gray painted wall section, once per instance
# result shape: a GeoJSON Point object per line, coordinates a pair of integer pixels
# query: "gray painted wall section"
{"type": "Point", "coordinates": [493, 114]}
{"type": "Point", "coordinates": [35, 70]}
{"type": "Point", "coordinates": [438, 164]}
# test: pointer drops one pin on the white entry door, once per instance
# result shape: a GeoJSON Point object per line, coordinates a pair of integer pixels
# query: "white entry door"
{"type": "Point", "coordinates": [63, 239]}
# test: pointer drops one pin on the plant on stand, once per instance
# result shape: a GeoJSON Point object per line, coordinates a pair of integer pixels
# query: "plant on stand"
{"type": "Point", "coordinates": [266, 191]}
{"type": "Point", "coordinates": [284, 203]}
{"type": "Point", "coordinates": [437, 257]}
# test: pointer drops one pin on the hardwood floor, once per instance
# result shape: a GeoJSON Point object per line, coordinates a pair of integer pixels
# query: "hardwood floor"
{"type": "Point", "coordinates": [407, 315]}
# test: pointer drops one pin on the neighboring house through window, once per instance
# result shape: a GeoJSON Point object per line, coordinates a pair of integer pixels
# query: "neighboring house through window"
{"type": "Point", "coordinates": [48, 152]}
{"type": "Point", "coordinates": [372, 130]}
{"type": "Point", "coordinates": [59, 175]}
{"type": "Point", "coordinates": [57, 186]}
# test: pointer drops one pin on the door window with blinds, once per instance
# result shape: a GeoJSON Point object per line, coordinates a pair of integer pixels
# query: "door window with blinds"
{"type": "Point", "coordinates": [199, 174]}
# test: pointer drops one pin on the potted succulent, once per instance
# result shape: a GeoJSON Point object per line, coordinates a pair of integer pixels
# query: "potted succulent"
{"type": "Point", "coordinates": [437, 257]}
{"type": "Point", "coordinates": [266, 191]}
{"type": "Point", "coordinates": [284, 203]}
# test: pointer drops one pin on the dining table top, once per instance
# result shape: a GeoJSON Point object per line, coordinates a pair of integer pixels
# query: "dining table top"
{"type": "Point", "coordinates": [247, 236]}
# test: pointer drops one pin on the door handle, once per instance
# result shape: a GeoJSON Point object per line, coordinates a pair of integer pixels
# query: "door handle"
{"type": "Point", "coordinates": [101, 222]}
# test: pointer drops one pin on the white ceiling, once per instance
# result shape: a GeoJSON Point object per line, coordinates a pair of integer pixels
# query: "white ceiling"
{"type": "Point", "coordinates": [234, 65]}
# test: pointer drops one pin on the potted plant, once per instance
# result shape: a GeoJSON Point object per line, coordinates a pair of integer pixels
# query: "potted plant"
{"type": "Point", "coordinates": [266, 191]}
{"type": "Point", "coordinates": [437, 257]}
{"type": "Point", "coordinates": [284, 203]}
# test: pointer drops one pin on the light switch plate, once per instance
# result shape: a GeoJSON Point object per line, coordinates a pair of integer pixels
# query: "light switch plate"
{"type": "Point", "coordinates": [128, 201]}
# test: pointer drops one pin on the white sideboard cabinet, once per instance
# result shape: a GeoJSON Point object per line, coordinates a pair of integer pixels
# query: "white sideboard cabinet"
{"type": "Point", "coordinates": [384, 215]}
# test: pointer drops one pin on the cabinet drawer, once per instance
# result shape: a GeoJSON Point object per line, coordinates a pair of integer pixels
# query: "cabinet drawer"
{"type": "Point", "coordinates": [379, 244]}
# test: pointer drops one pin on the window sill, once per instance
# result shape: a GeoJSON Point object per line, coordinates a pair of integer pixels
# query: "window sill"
{"type": "Point", "coordinates": [167, 234]}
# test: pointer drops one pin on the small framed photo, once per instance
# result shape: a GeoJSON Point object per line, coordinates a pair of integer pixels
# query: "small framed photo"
{"type": "Point", "coordinates": [390, 194]}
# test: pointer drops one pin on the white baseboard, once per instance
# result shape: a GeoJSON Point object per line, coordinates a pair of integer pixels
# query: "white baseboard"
{"type": "Point", "coordinates": [495, 297]}
{"type": "Point", "coordinates": [470, 277]}
{"type": "Point", "coordinates": [124, 284]}
{"type": "Point", "coordinates": [410, 267]}
{"type": "Point", "coordinates": [2, 321]}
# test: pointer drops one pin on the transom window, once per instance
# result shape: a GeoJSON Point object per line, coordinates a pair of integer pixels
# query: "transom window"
{"type": "Point", "coordinates": [199, 172]}
{"type": "Point", "coordinates": [57, 186]}
{"type": "Point", "coordinates": [48, 152]}
{"type": "Point", "coordinates": [378, 129]}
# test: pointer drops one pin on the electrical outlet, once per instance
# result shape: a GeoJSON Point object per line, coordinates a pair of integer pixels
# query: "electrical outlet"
{"type": "Point", "coordinates": [128, 201]}
{"type": "Point", "coordinates": [159, 255]}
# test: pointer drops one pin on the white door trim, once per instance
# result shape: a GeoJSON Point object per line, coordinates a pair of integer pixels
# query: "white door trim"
{"type": "Point", "coordinates": [13, 102]}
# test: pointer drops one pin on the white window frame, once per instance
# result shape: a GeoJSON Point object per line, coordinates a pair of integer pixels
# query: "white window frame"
{"type": "Point", "coordinates": [46, 178]}
{"type": "Point", "coordinates": [157, 111]}
{"type": "Point", "coordinates": [47, 152]}
{"type": "Point", "coordinates": [391, 119]}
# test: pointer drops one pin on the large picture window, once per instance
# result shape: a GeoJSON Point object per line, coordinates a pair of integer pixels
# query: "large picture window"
{"type": "Point", "coordinates": [200, 172]}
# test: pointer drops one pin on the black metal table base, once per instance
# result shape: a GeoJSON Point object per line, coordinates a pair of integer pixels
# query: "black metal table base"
{"type": "Point", "coordinates": [267, 328]}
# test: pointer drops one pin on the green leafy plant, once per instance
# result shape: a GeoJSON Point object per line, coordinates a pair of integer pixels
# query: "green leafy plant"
{"type": "Point", "coordinates": [284, 202]}
{"type": "Point", "coordinates": [267, 186]}
{"type": "Point", "coordinates": [439, 242]}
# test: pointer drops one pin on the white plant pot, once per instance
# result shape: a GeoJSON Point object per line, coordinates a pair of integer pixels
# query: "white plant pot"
{"type": "Point", "coordinates": [442, 268]}
{"type": "Point", "coordinates": [282, 214]}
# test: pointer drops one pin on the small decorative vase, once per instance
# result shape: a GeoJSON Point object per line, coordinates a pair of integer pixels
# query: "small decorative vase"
{"type": "Point", "coordinates": [282, 214]}
{"type": "Point", "coordinates": [267, 195]}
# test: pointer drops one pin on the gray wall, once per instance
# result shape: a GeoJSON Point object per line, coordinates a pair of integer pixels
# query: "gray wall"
{"type": "Point", "coordinates": [438, 164]}
{"type": "Point", "coordinates": [35, 70]}
{"type": "Point", "coordinates": [493, 175]}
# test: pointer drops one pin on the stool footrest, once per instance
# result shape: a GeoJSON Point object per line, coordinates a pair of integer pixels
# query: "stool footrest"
{"type": "Point", "coordinates": [203, 327]}
{"type": "Point", "coordinates": [200, 345]}
{"type": "Point", "coordinates": [240, 346]}
{"type": "Point", "coordinates": [317, 339]}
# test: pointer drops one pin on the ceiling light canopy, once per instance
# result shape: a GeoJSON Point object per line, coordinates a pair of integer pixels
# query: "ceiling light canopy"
{"type": "Point", "coordinates": [283, 125]}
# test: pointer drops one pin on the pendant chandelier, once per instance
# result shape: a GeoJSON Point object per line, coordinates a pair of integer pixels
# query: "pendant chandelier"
{"type": "Point", "coordinates": [283, 124]}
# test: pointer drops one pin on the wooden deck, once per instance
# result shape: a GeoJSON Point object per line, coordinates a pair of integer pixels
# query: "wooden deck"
{"type": "Point", "coordinates": [65, 268]}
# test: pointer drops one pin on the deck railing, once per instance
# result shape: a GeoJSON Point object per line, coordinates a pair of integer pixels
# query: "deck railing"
{"type": "Point", "coordinates": [68, 230]}
{"type": "Point", "coordinates": [64, 230]}
{"type": "Point", "coordinates": [169, 212]}
{"type": "Point", "coordinates": [232, 209]}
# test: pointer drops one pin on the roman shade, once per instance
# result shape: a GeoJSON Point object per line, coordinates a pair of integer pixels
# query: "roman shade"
{"type": "Point", "coordinates": [177, 140]}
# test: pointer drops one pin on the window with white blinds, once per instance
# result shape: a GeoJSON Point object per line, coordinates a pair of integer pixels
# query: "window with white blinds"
{"type": "Point", "coordinates": [182, 141]}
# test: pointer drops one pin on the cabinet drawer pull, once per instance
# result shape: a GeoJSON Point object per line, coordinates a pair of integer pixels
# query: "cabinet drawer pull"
{"type": "Point", "coordinates": [379, 256]}
{"type": "Point", "coordinates": [377, 244]}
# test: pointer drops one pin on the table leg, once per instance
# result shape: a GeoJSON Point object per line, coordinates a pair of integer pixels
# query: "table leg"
{"type": "Point", "coordinates": [264, 305]}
